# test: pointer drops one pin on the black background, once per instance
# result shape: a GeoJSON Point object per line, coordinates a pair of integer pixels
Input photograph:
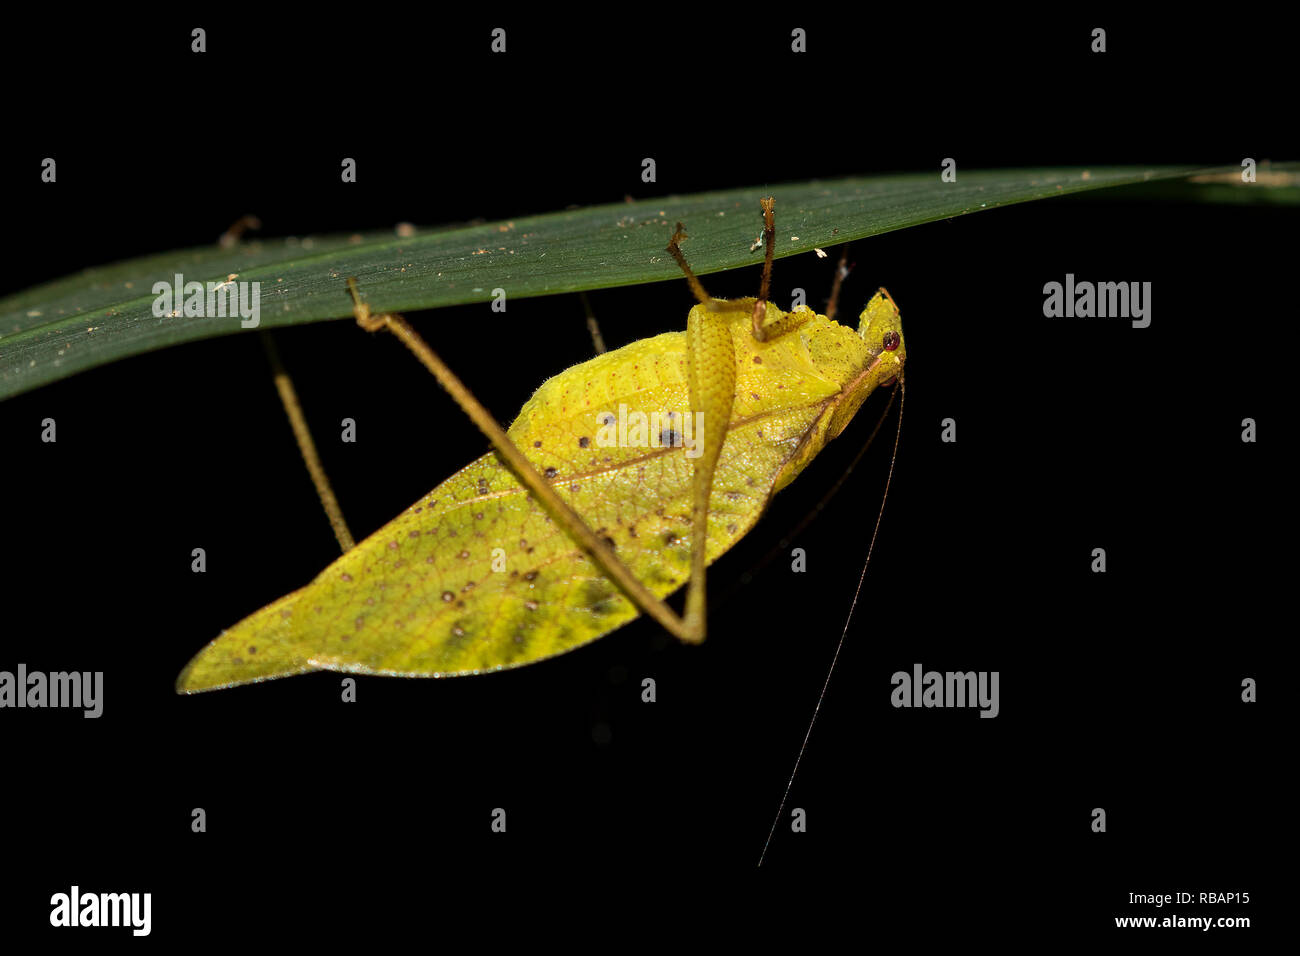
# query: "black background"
{"type": "Point", "coordinates": [1119, 691]}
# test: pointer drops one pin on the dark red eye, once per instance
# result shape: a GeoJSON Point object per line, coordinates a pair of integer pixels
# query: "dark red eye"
{"type": "Point", "coordinates": [892, 339]}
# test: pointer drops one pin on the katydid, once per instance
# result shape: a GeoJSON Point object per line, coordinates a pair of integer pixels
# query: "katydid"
{"type": "Point", "coordinates": [578, 522]}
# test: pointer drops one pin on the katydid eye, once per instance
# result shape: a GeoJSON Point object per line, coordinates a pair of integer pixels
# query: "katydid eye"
{"type": "Point", "coordinates": [891, 341]}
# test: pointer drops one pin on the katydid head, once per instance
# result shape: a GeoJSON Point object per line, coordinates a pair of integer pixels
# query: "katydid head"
{"type": "Point", "coordinates": [877, 359]}
{"type": "Point", "coordinates": [881, 328]}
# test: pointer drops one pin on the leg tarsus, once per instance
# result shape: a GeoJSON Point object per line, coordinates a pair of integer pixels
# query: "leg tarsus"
{"type": "Point", "coordinates": [361, 310]}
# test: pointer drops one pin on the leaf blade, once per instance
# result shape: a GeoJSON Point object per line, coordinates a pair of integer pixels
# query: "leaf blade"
{"type": "Point", "coordinates": [107, 313]}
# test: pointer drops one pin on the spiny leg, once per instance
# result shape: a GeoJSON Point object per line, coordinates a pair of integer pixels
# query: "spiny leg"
{"type": "Point", "coordinates": [675, 250]}
{"type": "Point", "coordinates": [541, 489]}
{"type": "Point", "coordinates": [712, 391]}
{"type": "Point", "coordinates": [787, 321]}
{"type": "Point", "coordinates": [712, 380]}
{"type": "Point", "coordinates": [769, 241]}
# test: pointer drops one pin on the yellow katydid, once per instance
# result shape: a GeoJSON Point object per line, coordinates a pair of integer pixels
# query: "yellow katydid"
{"type": "Point", "coordinates": [574, 525]}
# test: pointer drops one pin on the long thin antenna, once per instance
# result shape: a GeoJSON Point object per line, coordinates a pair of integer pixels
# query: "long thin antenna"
{"type": "Point", "coordinates": [780, 811]}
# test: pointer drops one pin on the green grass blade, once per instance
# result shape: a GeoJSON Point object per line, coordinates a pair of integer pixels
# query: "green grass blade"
{"type": "Point", "coordinates": [107, 313]}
